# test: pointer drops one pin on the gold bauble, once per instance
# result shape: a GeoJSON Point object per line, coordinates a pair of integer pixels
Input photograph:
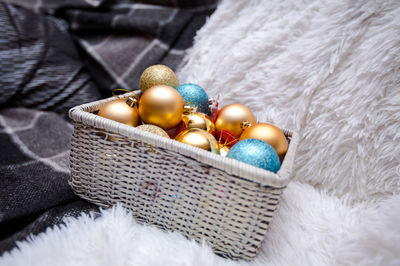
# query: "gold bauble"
{"type": "Point", "coordinates": [162, 106]}
{"type": "Point", "coordinates": [157, 75]}
{"type": "Point", "coordinates": [270, 134]}
{"type": "Point", "coordinates": [223, 150]}
{"type": "Point", "coordinates": [231, 118]}
{"type": "Point", "coordinates": [154, 129]}
{"type": "Point", "coordinates": [198, 120]}
{"type": "Point", "coordinates": [120, 111]}
{"type": "Point", "coordinates": [199, 138]}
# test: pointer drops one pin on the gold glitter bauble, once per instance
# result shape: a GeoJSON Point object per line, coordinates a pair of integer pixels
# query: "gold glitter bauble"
{"type": "Point", "coordinates": [162, 106]}
{"type": "Point", "coordinates": [198, 120]}
{"type": "Point", "coordinates": [154, 129]}
{"type": "Point", "coordinates": [120, 111]}
{"type": "Point", "coordinates": [199, 138]}
{"type": "Point", "coordinates": [231, 118]}
{"type": "Point", "coordinates": [270, 134]}
{"type": "Point", "coordinates": [157, 75]}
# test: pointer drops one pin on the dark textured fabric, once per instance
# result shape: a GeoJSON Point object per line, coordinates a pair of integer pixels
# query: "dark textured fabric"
{"type": "Point", "coordinates": [50, 6]}
{"type": "Point", "coordinates": [39, 64]}
{"type": "Point", "coordinates": [33, 174]}
{"type": "Point", "coordinates": [40, 68]}
{"type": "Point", "coordinates": [124, 39]}
{"type": "Point", "coordinates": [120, 39]}
{"type": "Point", "coordinates": [44, 66]}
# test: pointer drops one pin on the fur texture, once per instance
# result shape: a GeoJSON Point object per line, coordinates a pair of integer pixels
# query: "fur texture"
{"type": "Point", "coordinates": [310, 228]}
{"type": "Point", "coordinates": [329, 69]}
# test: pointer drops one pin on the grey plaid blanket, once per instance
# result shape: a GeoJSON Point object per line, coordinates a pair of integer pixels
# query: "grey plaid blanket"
{"type": "Point", "coordinates": [119, 39]}
{"type": "Point", "coordinates": [58, 54]}
{"type": "Point", "coordinates": [34, 173]}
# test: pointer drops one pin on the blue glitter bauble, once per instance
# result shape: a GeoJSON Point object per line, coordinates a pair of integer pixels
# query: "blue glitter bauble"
{"type": "Point", "coordinates": [255, 152]}
{"type": "Point", "coordinates": [195, 96]}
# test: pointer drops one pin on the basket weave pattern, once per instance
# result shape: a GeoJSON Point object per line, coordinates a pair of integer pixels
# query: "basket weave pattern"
{"type": "Point", "coordinates": [173, 185]}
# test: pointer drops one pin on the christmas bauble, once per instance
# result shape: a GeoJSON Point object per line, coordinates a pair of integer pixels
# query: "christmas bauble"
{"type": "Point", "coordinates": [121, 110]}
{"type": "Point", "coordinates": [257, 153]}
{"type": "Point", "coordinates": [157, 75]}
{"type": "Point", "coordinates": [162, 106]}
{"type": "Point", "coordinates": [268, 133]}
{"type": "Point", "coordinates": [195, 96]}
{"type": "Point", "coordinates": [226, 137]}
{"type": "Point", "coordinates": [231, 118]}
{"type": "Point", "coordinates": [154, 129]}
{"type": "Point", "coordinates": [173, 132]}
{"type": "Point", "coordinates": [198, 120]}
{"type": "Point", "coordinates": [199, 138]}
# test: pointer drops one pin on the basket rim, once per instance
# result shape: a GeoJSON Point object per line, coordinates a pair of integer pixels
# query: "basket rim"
{"type": "Point", "coordinates": [83, 114]}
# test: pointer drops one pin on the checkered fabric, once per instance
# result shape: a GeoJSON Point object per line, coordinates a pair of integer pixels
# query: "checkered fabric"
{"type": "Point", "coordinates": [39, 65]}
{"type": "Point", "coordinates": [120, 39]}
{"type": "Point", "coordinates": [33, 174]}
{"type": "Point", "coordinates": [161, 35]}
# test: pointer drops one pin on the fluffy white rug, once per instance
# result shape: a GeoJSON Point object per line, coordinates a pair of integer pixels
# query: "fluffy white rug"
{"type": "Point", "coordinates": [310, 228]}
{"type": "Point", "coordinates": [329, 69]}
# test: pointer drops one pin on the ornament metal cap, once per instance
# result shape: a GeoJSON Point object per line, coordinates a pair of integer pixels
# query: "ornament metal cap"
{"type": "Point", "coordinates": [131, 101]}
{"type": "Point", "coordinates": [245, 124]}
{"type": "Point", "coordinates": [187, 110]}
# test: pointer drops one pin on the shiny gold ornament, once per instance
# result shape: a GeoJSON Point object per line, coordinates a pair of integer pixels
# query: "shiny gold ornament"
{"type": "Point", "coordinates": [199, 138]}
{"type": "Point", "coordinates": [270, 134]}
{"type": "Point", "coordinates": [121, 110]}
{"type": "Point", "coordinates": [232, 117]}
{"type": "Point", "coordinates": [157, 75]}
{"type": "Point", "coordinates": [162, 106]}
{"type": "Point", "coordinates": [154, 129]}
{"type": "Point", "coordinates": [198, 120]}
{"type": "Point", "coordinates": [223, 150]}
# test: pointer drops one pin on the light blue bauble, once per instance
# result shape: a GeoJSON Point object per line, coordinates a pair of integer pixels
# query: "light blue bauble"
{"type": "Point", "coordinates": [195, 96]}
{"type": "Point", "coordinates": [255, 152]}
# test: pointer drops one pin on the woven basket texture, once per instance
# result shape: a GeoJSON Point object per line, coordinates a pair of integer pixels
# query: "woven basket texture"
{"type": "Point", "coordinates": [175, 186]}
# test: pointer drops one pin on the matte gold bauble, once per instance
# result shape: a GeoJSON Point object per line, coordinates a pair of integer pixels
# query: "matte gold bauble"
{"type": "Point", "coordinates": [270, 134]}
{"type": "Point", "coordinates": [121, 110]}
{"type": "Point", "coordinates": [154, 129]}
{"type": "Point", "coordinates": [157, 75]}
{"type": "Point", "coordinates": [199, 138]}
{"type": "Point", "coordinates": [198, 120]}
{"type": "Point", "coordinates": [162, 106]}
{"type": "Point", "coordinates": [231, 118]}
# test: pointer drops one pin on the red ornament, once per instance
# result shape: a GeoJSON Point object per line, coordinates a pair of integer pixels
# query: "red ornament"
{"type": "Point", "coordinates": [173, 132]}
{"type": "Point", "coordinates": [225, 137]}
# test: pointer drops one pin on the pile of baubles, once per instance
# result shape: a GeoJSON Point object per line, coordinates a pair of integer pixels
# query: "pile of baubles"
{"type": "Point", "coordinates": [184, 112]}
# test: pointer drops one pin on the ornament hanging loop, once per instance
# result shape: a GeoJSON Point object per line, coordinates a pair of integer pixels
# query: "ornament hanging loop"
{"type": "Point", "coordinates": [125, 90]}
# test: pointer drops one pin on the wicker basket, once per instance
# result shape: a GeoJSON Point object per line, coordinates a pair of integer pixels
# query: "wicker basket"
{"type": "Point", "coordinates": [173, 185]}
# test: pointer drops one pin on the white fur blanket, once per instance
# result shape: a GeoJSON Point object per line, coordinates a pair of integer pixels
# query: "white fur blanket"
{"type": "Point", "coordinates": [328, 69]}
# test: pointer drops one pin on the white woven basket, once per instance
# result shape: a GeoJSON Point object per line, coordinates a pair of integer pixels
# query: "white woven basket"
{"type": "Point", "coordinates": [173, 185]}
